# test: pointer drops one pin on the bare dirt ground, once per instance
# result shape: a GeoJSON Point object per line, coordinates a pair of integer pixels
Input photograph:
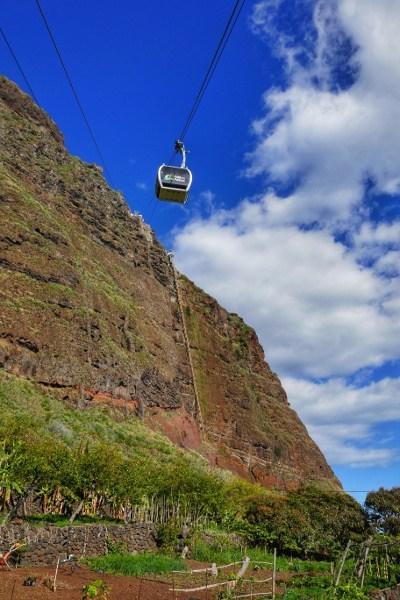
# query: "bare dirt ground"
{"type": "Point", "coordinates": [70, 584]}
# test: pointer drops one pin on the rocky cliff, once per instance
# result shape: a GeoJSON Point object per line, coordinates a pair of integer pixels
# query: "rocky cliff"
{"type": "Point", "coordinates": [91, 307]}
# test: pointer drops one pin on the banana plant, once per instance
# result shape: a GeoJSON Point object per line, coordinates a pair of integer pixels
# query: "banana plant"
{"type": "Point", "coordinates": [9, 484]}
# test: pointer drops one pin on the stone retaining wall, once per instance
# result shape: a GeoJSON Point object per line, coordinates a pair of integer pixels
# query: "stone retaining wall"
{"type": "Point", "coordinates": [388, 594]}
{"type": "Point", "coordinates": [46, 544]}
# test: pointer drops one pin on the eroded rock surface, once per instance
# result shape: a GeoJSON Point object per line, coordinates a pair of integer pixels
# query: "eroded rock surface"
{"type": "Point", "coordinates": [89, 307]}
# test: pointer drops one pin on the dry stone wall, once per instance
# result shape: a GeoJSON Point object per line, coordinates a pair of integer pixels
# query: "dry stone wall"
{"type": "Point", "coordinates": [46, 544]}
{"type": "Point", "coordinates": [388, 594]}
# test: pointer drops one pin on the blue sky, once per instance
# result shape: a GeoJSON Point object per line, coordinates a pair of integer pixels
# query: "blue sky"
{"type": "Point", "coordinates": [294, 218]}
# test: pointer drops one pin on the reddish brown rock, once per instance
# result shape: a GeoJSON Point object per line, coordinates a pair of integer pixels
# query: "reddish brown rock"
{"type": "Point", "coordinates": [89, 307]}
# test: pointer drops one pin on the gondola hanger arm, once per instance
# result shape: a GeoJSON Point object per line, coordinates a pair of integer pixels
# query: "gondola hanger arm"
{"type": "Point", "coordinates": [180, 147]}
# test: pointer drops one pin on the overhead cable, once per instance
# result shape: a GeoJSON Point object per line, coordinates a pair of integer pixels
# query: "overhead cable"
{"type": "Point", "coordinates": [235, 13]}
{"type": "Point", "coordinates": [20, 69]}
{"type": "Point", "coordinates": [72, 86]}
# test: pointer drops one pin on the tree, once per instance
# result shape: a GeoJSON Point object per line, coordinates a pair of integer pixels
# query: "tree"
{"type": "Point", "coordinates": [383, 509]}
{"type": "Point", "coordinates": [308, 521]}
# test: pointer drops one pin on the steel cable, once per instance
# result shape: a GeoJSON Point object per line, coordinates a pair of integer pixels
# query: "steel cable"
{"type": "Point", "coordinates": [73, 89]}
{"type": "Point", "coordinates": [20, 69]}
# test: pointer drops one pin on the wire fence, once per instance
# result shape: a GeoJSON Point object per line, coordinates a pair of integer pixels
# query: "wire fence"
{"type": "Point", "coordinates": [211, 582]}
{"type": "Point", "coordinates": [367, 559]}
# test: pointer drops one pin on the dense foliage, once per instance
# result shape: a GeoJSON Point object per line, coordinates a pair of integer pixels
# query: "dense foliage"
{"type": "Point", "coordinates": [65, 457]}
{"type": "Point", "coordinates": [110, 466]}
{"type": "Point", "coordinates": [309, 522]}
{"type": "Point", "coordinates": [383, 509]}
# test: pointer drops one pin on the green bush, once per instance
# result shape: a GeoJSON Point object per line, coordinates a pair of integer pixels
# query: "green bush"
{"type": "Point", "coordinates": [89, 456]}
{"type": "Point", "coordinates": [307, 522]}
{"type": "Point", "coordinates": [168, 536]}
{"type": "Point", "coordinates": [383, 509]}
{"type": "Point", "coordinates": [96, 589]}
{"type": "Point", "coordinates": [350, 591]}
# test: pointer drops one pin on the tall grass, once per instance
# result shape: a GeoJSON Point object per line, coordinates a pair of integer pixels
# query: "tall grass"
{"type": "Point", "coordinates": [225, 553]}
{"type": "Point", "coordinates": [136, 565]}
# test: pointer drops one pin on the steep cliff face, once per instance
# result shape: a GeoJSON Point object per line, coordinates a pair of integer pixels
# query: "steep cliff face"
{"type": "Point", "coordinates": [243, 404]}
{"type": "Point", "coordinates": [91, 307]}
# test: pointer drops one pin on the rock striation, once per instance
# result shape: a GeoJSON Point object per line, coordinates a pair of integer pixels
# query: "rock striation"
{"type": "Point", "coordinates": [92, 307]}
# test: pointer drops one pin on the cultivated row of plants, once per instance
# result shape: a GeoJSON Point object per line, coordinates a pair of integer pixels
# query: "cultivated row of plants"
{"type": "Point", "coordinates": [302, 580]}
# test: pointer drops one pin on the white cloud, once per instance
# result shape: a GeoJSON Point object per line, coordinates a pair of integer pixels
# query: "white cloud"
{"type": "Point", "coordinates": [341, 418]}
{"type": "Point", "coordinates": [342, 452]}
{"type": "Point", "coordinates": [316, 311]}
{"type": "Point", "coordinates": [383, 233]}
{"type": "Point", "coordinates": [336, 401]}
{"type": "Point", "coordinates": [379, 246]}
{"type": "Point", "coordinates": [207, 201]}
{"type": "Point", "coordinates": [312, 272]}
{"type": "Point", "coordinates": [333, 140]}
{"type": "Point", "coordinates": [389, 264]}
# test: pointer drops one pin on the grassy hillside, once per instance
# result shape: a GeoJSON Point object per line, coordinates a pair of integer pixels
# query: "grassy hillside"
{"type": "Point", "coordinates": [107, 458]}
{"type": "Point", "coordinates": [109, 463]}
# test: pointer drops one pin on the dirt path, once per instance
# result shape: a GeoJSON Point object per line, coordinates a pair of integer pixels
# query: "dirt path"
{"type": "Point", "coordinates": [69, 585]}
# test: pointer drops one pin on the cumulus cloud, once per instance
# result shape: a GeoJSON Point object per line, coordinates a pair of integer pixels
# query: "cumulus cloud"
{"type": "Point", "coordinates": [314, 271]}
{"type": "Point", "coordinates": [316, 311]}
{"type": "Point", "coordinates": [206, 202]}
{"type": "Point", "coordinates": [341, 418]}
{"type": "Point", "coordinates": [334, 139]}
{"type": "Point", "coordinates": [379, 244]}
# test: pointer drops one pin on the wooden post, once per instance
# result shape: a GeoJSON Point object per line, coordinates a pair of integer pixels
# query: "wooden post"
{"type": "Point", "coordinates": [243, 568]}
{"type": "Point", "coordinates": [77, 511]}
{"type": "Point", "coordinates": [387, 562]}
{"type": "Point", "coordinates": [206, 584]}
{"type": "Point", "coordinates": [274, 576]}
{"type": "Point", "coordinates": [341, 565]}
{"type": "Point", "coordinates": [55, 575]}
{"type": "Point", "coordinates": [367, 548]}
{"type": "Point", "coordinates": [140, 588]}
{"type": "Point", "coordinates": [13, 588]}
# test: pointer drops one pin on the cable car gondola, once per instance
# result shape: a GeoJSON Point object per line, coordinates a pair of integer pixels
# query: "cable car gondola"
{"type": "Point", "coordinates": [172, 182]}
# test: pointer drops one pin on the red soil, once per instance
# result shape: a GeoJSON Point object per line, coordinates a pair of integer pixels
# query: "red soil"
{"type": "Point", "coordinates": [69, 585]}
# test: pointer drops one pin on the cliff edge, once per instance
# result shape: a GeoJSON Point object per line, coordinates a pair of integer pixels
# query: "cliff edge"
{"type": "Point", "coordinates": [92, 307]}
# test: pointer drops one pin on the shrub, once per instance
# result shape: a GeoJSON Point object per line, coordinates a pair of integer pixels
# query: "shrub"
{"type": "Point", "coordinates": [350, 591]}
{"type": "Point", "coordinates": [308, 522]}
{"type": "Point", "coordinates": [96, 589]}
{"type": "Point", "coordinates": [383, 508]}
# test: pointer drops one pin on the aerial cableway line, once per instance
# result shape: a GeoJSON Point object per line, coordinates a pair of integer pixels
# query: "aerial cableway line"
{"type": "Point", "coordinates": [226, 34]}
{"type": "Point", "coordinates": [173, 183]}
{"type": "Point", "coordinates": [19, 67]}
{"type": "Point", "coordinates": [72, 86]}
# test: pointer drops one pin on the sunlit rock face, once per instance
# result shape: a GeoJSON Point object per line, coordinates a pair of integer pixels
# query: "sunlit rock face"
{"type": "Point", "coordinates": [90, 308]}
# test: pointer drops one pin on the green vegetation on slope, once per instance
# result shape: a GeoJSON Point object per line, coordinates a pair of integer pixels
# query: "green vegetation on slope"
{"type": "Point", "coordinates": [105, 459]}
{"type": "Point", "coordinates": [110, 464]}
